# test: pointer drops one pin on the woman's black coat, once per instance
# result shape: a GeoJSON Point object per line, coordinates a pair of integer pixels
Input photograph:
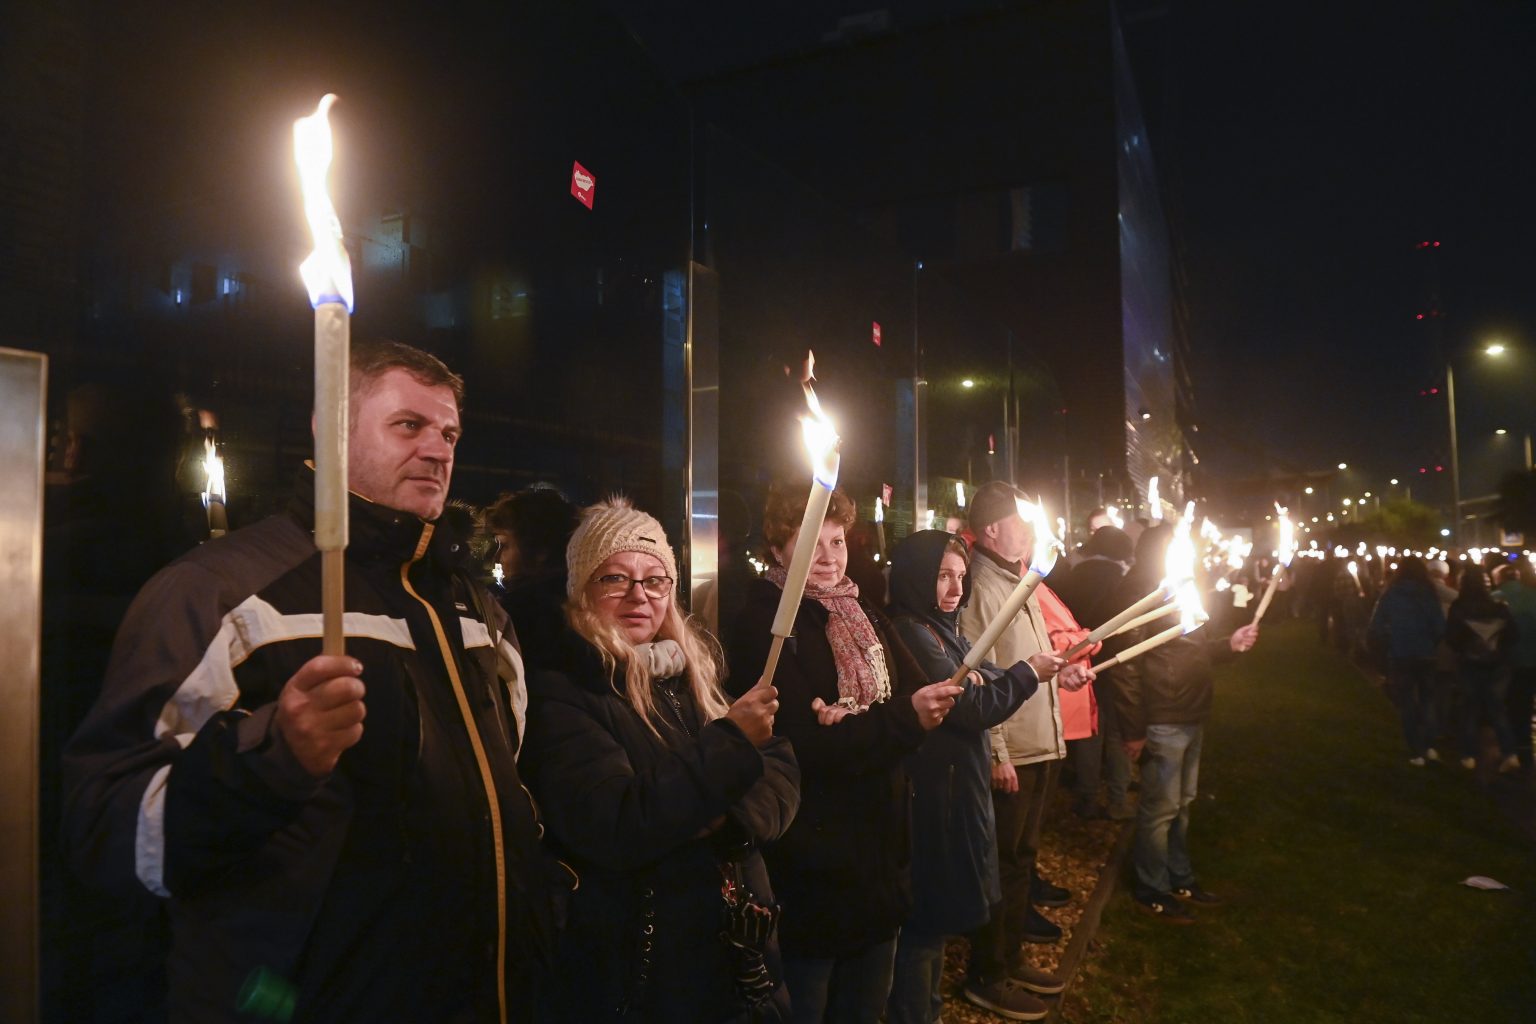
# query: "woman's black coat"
{"type": "Point", "coordinates": [627, 808]}
{"type": "Point", "coordinates": [841, 870]}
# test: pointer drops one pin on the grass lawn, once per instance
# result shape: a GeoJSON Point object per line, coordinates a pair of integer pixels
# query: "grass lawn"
{"type": "Point", "coordinates": [1339, 864]}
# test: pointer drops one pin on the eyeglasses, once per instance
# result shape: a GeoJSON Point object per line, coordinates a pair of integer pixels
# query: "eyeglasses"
{"type": "Point", "coordinates": [618, 585]}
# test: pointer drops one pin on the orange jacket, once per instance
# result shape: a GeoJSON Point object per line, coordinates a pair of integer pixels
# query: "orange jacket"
{"type": "Point", "coordinates": [1080, 709]}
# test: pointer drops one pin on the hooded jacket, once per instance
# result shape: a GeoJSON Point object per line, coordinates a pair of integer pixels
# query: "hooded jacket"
{"type": "Point", "coordinates": [629, 807]}
{"type": "Point", "coordinates": [376, 892]}
{"type": "Point", "coordinates": [1034, 732]}
{"type": "Point", "coordinates": [842, 869]}
{"type": "Point", "coordinates": [954, 834]}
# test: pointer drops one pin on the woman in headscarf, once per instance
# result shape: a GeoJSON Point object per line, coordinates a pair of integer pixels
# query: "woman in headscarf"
{"type": "Point", "coordinates": [855, 703]}
{"type": "Point", "coordinates": [658, 792]}
{"type": "Point", "coordinates": [954, 839]}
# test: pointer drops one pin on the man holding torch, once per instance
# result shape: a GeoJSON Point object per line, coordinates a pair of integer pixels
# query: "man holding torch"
{"type": "Point", "coordinates": [338, 836]}
{"type": "Point", "coordinates": [1026, 749]}
{"type": "Point", "coordinates": [1161, 701]}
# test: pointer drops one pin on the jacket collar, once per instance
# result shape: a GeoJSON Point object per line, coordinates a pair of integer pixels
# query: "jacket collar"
{"type": "Point", "coordinates": [378, 533]}
{"type": "Point", "coordinates": [1016, 568]}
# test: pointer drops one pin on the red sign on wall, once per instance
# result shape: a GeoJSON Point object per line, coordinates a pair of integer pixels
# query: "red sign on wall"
{"type": "Point", "coordinates": [583, 184]}
{"type": "Point", "coordinates": [875, 334]}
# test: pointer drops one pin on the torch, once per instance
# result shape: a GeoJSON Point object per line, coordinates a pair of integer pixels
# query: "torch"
{"type": "Point", "coordinates": [822, 442]}
{"type": "Point", "coordinates": [1154, 502]}
{"type": "Point", "coordinates": [327, 275]}
{"type": "Point", "coordinates": [1178, 568]}
{"type": "Point", "coordinates": [1041, 561]}
{"type": "Point", "coordinates": [214, 495]}
{"type": "Point", "coordinates": [880, 526]}
{"type": "Point", "coordinates": [1283, 561]}
{"type": "Point", "coordinates": [1191, 617]}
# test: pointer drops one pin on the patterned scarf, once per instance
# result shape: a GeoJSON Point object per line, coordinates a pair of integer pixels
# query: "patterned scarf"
{"type": "Point", "coordinates": [862, 675]}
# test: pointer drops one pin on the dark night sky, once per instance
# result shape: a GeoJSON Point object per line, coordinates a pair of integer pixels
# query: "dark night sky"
{"type": "Point", "coordinates": [1306, 148]}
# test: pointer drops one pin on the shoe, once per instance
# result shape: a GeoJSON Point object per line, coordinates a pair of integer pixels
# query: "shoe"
{"type": "Point", "coordinates": [1509, 764]}
{"type": "Point", "coordinates": [1166, 908]}
{"type": "Point", "coordinates": [1036, 980]}
{"type": "Point", "coordinates": [1432, 755]}
{"type": "Point", "coordinates": [1469, 763]}
{"type": "Point", "coordinates": [1125, 810]}
{"type": "Point", "coordinates": [1039, 928]}
{"type": "Point", "coordinates": [1044, 894]}
{"type": "Point", "coordinates": [1192, 893]}
{"type": "Point", "coordinates": [1417, 762]}
{"type": "Point", "coordinates": [1006, 998]}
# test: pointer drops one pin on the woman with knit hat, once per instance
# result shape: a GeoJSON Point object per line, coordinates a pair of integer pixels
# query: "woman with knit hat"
{"type": "Point", "coordinates": [657, 791]}
{"type": "Point", "coordinates": [855, 703]}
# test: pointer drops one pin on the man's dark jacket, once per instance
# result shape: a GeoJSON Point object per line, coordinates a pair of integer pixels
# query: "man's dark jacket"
{"type": "Point", "coordinates": [375, 893]}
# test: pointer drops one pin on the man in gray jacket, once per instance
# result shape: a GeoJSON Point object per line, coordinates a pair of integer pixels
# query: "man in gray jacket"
{"type": "Point", "coordinates": [1026, 749]}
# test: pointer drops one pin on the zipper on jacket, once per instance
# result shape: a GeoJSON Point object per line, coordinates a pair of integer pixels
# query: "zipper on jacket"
{"type": "Point", "coordinates": [481, 761]}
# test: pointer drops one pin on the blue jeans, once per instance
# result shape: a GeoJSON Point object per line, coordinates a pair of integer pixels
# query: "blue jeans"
{"type": "Point", "coordinates": [843, 990]}
{"type": "Point", "coordinates": [1411, 688]}
{"type": "Point", "coordinates": [917, 994]}
{"type": "Point", "coordinates": [1482, 697]}
{"type": "Point", "coordinates": [1170, 774]}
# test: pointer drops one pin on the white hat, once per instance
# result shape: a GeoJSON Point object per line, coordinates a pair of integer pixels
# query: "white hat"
{"type": "Point", "coordinates": [606, 529]}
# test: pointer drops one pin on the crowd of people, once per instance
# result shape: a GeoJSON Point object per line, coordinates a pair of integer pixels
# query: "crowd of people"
{"type": "Point", "coordinates": [561, 798]}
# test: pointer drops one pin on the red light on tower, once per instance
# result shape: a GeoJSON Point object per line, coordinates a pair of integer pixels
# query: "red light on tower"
{"type": "Point", "coordinates": [1418, 316]}
{"type": "Point", "coordinates": [1439, 469]}
{"type": "Point", "coordinates": [1435, 244]}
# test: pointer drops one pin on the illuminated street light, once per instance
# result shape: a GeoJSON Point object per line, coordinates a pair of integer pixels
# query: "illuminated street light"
{"type": "Point", "coordinates": [1393, 481]}
{"type": "Point", "coordinates": [1494, 348]}
{"type": "Point", "coordinates": [1343, 465]}
{"type": "Point", "coordinates": [1309, 490]}
{"type": "Point", "coordinates": [967, 383]}
{"type": "Point", "coordinates": [1501, 431]}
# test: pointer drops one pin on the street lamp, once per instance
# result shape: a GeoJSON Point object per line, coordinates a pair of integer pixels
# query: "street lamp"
{"type": "Point", "coordinates": [1493, 348]}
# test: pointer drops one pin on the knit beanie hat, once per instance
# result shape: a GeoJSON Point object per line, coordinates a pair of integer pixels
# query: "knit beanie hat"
{"type": "Point", "coordinates": [607, 528]}
{"type": "Point", "coordinates": [991, 502]}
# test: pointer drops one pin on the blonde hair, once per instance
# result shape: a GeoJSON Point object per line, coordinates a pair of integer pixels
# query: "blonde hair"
{"type": "Point", "coordinates": [700, 650]}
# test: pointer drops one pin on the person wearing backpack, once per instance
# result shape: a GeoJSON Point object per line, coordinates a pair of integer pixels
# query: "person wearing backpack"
{"type": "Point", "coordinates": [1481, 630]}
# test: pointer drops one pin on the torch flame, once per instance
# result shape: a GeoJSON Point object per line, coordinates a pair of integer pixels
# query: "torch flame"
{"type": "Point", "coordinates": [1154, 501]}
{"type": "Point", "coordinates": [821, 439]}
{"type": "Point", "coordinates": [879, 509]}
{"type": "Point", "coordinates": [1287, 537]}
{"type": "Point", "coordinates": [1179, 564]}
{"type": "Point", "coordinates": [1046, 547]}
{"type": "Point", "coordinates": [1115, 519]}
{"type": "Point", "coordinates": [1191, 612]}
{"type": "Point", "coordinates": [1238, 553]}
{"type": "Point", "coordinates": [327, 272]}
{"type": "Point", "coordinates": [213, 465]}
{"type": "Point", "coordinates": [1354, 570]}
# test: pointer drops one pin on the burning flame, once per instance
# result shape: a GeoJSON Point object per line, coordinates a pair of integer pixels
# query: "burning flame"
{"type": "Point", "coordinates": [1154, 501]}
{"type": "Point", "coordinates": [960, 493]}
{"type": "Point", "coordinates": [1287, 549]}
{"type": "Point", "coordinates": [821, 439]}
{"type": "Point", "coordinates": [327, 272]}
{"type": "Point", "coordinates": [1115, 518]}
{"type": "Point", "coordinates": [1354, 570]}
{"type": "Point", "coordinates": [1042, 558]}
{"type": "Point", "coordinates": [1208, 531]}
{"type": "Point", "coordinates": [1191, 612]}
{"type": "Point", "coordinates": [879, 509]}
{"type": "Point", "coordinates": [1179, 564]}
{"type": "Point", "coordinates": [213, 465]}
{"type": "Point", "coordinates": [1238, 552]}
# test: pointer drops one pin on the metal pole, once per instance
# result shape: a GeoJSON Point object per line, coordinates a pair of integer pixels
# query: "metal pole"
{"type": "Point", "coordinates": [1527, 451]}
{"type": "Point", "coordinates": [1450, 409]}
